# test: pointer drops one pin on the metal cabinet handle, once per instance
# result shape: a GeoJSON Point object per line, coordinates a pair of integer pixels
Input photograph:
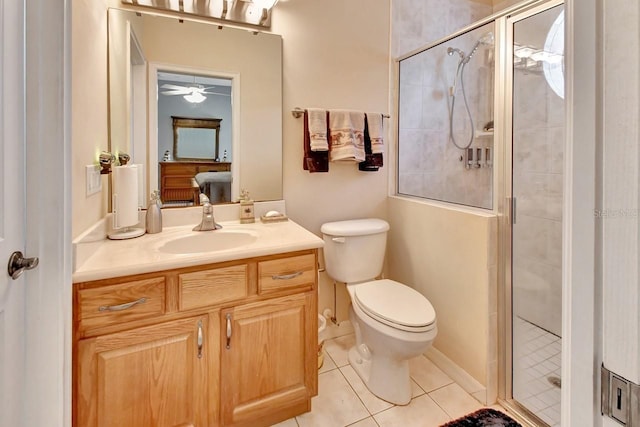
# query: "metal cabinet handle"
{"type": "Point", "coordinates": [200, 339]}
{"type": "Point", "coordinates": [286, 276]}
{"type": "Point", "coordinates": [121, 307]}
{"type": "Point", "coordinates": [228, 330]}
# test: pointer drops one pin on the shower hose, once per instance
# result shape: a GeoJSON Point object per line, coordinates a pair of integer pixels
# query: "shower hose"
{"type": "Point", "coordinates": [460, 75]}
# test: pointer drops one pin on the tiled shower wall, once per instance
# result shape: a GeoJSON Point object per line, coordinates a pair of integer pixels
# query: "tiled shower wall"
{"type": "Point", "coordinates": [538, 146]}
{"type": "Point", "coordinates": [429, 165]}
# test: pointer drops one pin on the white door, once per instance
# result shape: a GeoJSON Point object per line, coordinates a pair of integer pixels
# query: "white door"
{"type": "Point", "coordinates": [12, 210]}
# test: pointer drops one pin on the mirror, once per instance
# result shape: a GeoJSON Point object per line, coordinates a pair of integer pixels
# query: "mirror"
{"type": "Point", "coordinates": [196, 139]}
{"type": "Point", "coordinates": [143, 46]}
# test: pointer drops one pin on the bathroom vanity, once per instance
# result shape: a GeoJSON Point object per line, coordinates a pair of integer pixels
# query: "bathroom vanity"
{"type": "Point", "coordinates": [219, 339]}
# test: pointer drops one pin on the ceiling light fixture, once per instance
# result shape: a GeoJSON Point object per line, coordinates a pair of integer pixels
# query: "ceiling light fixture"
{"type": "Point", "coordinates": [195, 97]}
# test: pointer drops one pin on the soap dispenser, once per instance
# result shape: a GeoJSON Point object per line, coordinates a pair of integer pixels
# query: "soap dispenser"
{"type": "Point", "coordinates": [246, 208]}
{"type": "Point", "coordinates": [154, 214]}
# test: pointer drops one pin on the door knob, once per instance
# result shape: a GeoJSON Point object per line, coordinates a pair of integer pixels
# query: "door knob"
{"type": "Point", "coordinates": [18, 264]}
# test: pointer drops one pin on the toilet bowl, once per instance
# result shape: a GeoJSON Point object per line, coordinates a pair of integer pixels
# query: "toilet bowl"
{"type": "Point", "coordinates": [385, 343]}
{"type": "Point", "coordinates": [393, 322]}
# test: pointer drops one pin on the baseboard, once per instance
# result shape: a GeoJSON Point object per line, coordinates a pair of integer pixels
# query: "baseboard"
{"type": "Point", "coordinates": [457, 374]}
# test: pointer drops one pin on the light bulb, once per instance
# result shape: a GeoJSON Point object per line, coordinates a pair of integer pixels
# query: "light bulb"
{"type": "Point", "coordinates": [195, 97]}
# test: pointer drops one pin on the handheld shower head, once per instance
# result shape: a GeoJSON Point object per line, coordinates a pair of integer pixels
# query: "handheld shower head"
{"type": "Point", "coordinates": [486, 39]}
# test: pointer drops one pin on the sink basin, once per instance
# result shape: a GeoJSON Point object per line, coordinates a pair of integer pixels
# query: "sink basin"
{"type": "Point", "coordinates": [208, 241]}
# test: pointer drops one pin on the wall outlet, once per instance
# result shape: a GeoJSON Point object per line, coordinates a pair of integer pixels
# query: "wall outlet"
{"type": "Point", "coordinates": [94, 179]}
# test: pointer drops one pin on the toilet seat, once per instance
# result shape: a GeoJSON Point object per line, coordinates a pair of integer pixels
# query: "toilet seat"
{"type": "Point", "coordinates": [395, 305]}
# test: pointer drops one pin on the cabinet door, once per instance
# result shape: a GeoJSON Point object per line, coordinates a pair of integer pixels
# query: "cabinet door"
{"type": "Point", "coordinates": [269, 360]}
{"type": "Point", "coordinates": [152, 376]}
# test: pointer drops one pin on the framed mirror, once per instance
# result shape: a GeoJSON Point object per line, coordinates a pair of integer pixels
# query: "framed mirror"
{"type": "Point", "coordinates": [196, 138]}
{"type": "Point", "coordinates": [251, 61]}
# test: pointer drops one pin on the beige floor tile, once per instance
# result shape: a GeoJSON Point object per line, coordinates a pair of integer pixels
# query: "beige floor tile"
{"type": "Point", "coordinates": [455, 401]}
{"type": "Point", "coordinates": [336, 404]}
{"type": "Point", "coordinates": [367, 422]}
{"type": "Point", "coordinates": [328, 363]}
{"type": "Point", "coordinates": [291, 422]}
{"type": "Point", "coordinates": [371, 401]}
{"type": "Point", "coordinates": [421, 412]}
{"type": "Point", "coordinates": [416, 390]}
{"type": "Point", "coordinates": [427, 375]}
{"type": "Point", "coordinates": [338, 349]}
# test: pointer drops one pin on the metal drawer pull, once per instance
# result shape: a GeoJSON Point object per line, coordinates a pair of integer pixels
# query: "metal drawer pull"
{"type": "Point", "coordinates": [200, 339]}
{"type": "Point", "coordinates": [121, 307]}
{"type": "Point", "coordinates": [287, 276]}
{"type": "Point", "coordinates": [228, 330]}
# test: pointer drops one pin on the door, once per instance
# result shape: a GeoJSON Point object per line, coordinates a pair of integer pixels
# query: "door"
{"type": "Point", "coordinates": [155, 376]}
{"type": "Point", "coordinates": [537, 153]}
{"type": "Point", "coordinates": [266, 355]}
{"type": "Point", "coordinates": [12, 210]}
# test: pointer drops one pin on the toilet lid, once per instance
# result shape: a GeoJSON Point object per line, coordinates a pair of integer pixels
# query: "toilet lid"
{"type": "Point", "coordinates": [396, 305]}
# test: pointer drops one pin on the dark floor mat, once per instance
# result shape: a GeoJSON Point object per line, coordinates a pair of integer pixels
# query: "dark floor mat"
{"type": "Point", "coordinates": [483, 418]}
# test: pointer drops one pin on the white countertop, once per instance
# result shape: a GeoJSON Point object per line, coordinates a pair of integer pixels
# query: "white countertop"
{"type": "Point", "coordinates": [115, 258]}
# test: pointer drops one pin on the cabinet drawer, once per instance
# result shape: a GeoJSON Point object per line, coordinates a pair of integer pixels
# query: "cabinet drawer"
{"type": "Point", "coordinates": [121, 303]}
{"type": "Point", "coordinates": [214, 286]}
{"type": "Point", "coordinates": [284, 273]}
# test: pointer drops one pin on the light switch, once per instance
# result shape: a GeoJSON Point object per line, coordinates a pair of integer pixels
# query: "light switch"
{"type": "Point", "coordinates": [94, 179]}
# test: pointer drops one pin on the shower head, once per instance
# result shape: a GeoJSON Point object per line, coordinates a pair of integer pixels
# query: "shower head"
{"type": "Point", "coordinates": [452, 50]}
{"type": "Point", "coordinates": [487, 38]}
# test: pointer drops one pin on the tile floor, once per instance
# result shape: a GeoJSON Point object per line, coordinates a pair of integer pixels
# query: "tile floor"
{"type": "Point", "coordinates": [343, 399]}
{"type": "Point", "coordinates": [536, 358]}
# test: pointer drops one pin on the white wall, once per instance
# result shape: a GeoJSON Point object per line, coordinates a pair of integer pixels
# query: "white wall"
{"type": "Point", "coordinates": [618, 216]}
{"type": "Point", "coordinates": [335, 55]}
{"type": "Point", "coordinates": [449, 255]}
{"type": "Point", "coordinates": [89, 132]}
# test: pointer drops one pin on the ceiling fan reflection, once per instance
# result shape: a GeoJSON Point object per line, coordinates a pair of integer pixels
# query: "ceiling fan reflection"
{"type": "Point", "coordinates": [194, 94]}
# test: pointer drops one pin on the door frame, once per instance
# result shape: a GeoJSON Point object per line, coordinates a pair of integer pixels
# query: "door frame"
{"type": "Point", "coordinates": [47, 399]}
{"type": "Point", "coordinates": [504, 109]}
{"type": "Point", "coordinates": [581, 317]}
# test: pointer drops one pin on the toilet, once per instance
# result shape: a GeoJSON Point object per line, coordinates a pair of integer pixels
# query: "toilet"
{"type": "Point", "coordinates": [393, 322]}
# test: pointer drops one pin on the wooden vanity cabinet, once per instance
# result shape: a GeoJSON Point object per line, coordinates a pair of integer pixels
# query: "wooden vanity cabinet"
{"type": "Point", "coordinates": [158, 356]}
{"type": "Point", "coordinates": [151, 376]}
{"type": "Point", "coordinates": [268, 368]}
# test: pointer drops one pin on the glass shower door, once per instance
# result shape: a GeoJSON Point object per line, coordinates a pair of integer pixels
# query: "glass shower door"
{"type": "Point", "coordinates": [537, 178]}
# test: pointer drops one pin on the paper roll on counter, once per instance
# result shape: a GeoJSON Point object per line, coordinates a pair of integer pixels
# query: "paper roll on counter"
{"type": "Point", "coordinates": [125, 202]}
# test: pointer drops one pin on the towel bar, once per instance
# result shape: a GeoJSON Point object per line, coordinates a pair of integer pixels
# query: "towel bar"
{"type": "Point", "coordinates": [298, 112]}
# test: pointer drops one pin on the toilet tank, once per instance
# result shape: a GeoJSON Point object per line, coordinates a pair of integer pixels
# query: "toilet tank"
{"type": "Point", "coordinates": [354, 249]}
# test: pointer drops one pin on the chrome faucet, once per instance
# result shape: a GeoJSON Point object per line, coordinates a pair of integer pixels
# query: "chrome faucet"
{"type": "Point", "coordinates": [207, 223]}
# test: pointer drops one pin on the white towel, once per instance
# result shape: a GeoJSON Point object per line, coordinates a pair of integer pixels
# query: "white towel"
{"type": "Point", "coordinates": [318, 129]}
{"type": "Point", "coordinates": [374, 121]}
{"type": "Point", "coordinates": [346, 129]}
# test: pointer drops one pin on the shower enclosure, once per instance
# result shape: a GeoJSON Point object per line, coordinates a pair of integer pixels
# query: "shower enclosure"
{"type": "Point", "coordinates": [481, 124]}
{"type": "Point", "coordinates": [445, 120]}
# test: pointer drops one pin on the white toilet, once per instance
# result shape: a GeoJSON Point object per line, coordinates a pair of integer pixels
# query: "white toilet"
{"type": "Point", "coordinates": [393, 322]}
